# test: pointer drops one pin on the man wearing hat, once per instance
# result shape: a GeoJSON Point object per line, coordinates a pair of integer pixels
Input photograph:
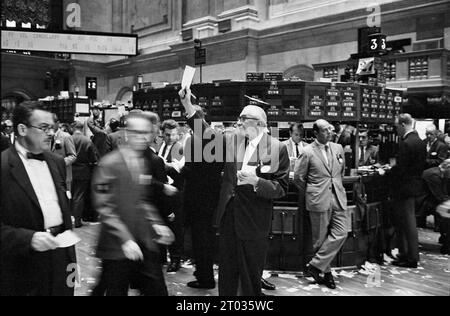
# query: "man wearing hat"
{"type": "Point", "coordinates": [256, 171]}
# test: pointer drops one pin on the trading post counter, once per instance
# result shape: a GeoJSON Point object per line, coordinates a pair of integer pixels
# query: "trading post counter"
{"type": "Point", "coordinates": [290, 238]}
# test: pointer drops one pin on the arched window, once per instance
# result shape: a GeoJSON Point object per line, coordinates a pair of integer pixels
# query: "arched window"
{"type": "Point", "coordinates": [303, 72]}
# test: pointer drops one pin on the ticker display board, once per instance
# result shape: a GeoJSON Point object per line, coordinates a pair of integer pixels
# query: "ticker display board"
{"type": "Point", "coordinates": [283, 101]}
{"type": "Point", "coordinates": [70, 42]}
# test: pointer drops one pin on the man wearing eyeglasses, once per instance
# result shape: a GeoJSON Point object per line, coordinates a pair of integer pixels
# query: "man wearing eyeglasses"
{"type": "Point", "coordinates": [34, 210]}
{"type": "Point", "coordinates": [256, 171]}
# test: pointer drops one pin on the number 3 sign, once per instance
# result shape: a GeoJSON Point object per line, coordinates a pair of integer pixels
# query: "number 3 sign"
{"type": "Point", "coordinates": [378, 43]}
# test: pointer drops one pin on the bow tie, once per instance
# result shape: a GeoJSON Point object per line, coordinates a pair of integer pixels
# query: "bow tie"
{"type": "Point", "coordinates": [32, 156]}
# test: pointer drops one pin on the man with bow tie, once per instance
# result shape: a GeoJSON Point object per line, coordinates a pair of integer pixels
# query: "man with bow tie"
{"type": "Point", "coordinates": [256, 171]}
{"type": "Point", "coordinates": [34, 210]}
{"type": "Point", "coordinates": [318, 175]}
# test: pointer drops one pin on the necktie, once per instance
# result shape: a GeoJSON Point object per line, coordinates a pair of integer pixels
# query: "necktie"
{"type": "Point", "coordinates": [164, 151]}
{"type": "Point", "coordinates": [32, 156]}
{"type": "Point", "coordinates": [297, 151]}
{"type": "Point", "coordinates": [329, 157]}
{"type": "Point", "coordinates": [363, 156]}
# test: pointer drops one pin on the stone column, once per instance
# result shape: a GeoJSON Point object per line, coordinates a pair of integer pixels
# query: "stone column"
{"type": "Point", "coordinates": [200, 16]}
{"type": "Point", "coordinates": [243, 13]}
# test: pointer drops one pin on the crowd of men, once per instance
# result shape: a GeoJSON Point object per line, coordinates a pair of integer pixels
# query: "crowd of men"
{"type": "Point", "coordinates": [146, 181]}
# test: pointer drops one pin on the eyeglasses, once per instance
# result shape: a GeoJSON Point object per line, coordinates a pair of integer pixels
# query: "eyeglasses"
{"type": "Point", "coordinates": [245, 118]}
{"type": "Point", "coordinates": [45, 129]}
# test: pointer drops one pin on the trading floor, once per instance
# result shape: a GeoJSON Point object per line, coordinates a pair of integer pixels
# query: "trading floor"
{"type": "Point", "coordinates": [431, 279]}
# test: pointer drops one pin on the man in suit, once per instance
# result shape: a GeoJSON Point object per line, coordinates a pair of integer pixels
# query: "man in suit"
{"type": "Point", "coordinates": [116, 138]}
{"type": "Point", "coordinates": [437, 151]}
{"type": "Point", "coordinates": [318, 175]}
{"type": "Point", "coordinates": [87, 158]}
{"type": "Point", "coordinates": [407, 185]}
{"type": "Point", "coordinates": [368, 154]}
{"type": "Point", "coordinates": [8, 131]}
{"type": "Point", "coordinates": [161, 189]}
{"type": "Point", "coordinates": [63, 146]}
{"type": "Point", "coordinates": [131, 225]}
{"type": "Point", "coordinates": [34, 209]}
{"type": "Point", "coordinates": [171, 152]}
{"type": "Point", "coordinates": [295, 144]}
{"type": "Point", "coordinates": [201, 195]}
{"type": "Point", "coordinates": [256, 171]}
{"type": "Point", "coordinates": [436, 185]}
{"type": "Point", "coordinates": [100, 135]}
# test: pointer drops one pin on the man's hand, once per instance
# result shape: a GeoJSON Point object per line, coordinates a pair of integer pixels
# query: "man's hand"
{"type": "Point", "coordinates": [171, 217]}
{"type": "Point", "coordinates": [166, 236]}
{"type": "Point", "coordinates": [170, 190]}
{"type": "Point", "coordinates": [248, 178]}
{"type": "Point", "coordinates": [132, 251]}
{"type": "Point", "coordinates": [185, 96]}
{"type": "Point", "coordinates": [42, 242]}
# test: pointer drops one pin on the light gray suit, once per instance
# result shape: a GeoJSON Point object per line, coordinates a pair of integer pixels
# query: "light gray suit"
{"type": "Point", "coordinates": [325, 199]}
{"type": "Point", "coordinates": [65, 147]}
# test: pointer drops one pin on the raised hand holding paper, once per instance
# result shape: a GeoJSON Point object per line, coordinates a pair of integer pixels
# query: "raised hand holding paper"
{"type": "Point", "coordinates": [188, 77]}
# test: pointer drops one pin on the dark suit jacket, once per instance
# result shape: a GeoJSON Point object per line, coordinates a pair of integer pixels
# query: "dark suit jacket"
{"type": "Point", "coordinates": [87, 157]}
{"type": "Point", "coordinates": [437, 154]}
{"type": "Point", "coordinates": [158, 172]}
{"type": "Point", "coordinates": [21, 216]}
{"type": "Point", "coordinates": [176, 152]}
{"type": "Point", "coordinates": [202, 182]}
{"type": "Point", "coordinates": [436, 187]}
{"type": "Point", "coordinates": [4, 143]}
{"type": "Point", "coordinates": [125, 208]}
{"type": "Point", "coordinates": [406, 176]}
{"type": "Point", "coordinates": [99, 138]}
{"type": "Point", "coordinates": [370, 156]}
{"type": "Point", "coordinates": [252, 207]}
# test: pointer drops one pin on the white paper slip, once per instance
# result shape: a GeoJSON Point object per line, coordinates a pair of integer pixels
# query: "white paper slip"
{"type": "Point", "coordinates": [188, 77]}
{"type": "Point", "coordinates": [67, 239]}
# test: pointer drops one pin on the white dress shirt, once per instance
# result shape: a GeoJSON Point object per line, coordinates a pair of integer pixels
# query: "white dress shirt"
{"type": "Point", "coordinates": [250, 151]}
{"type": "Point", "coordinates": [294, 148]}
{"type": "Point", "coordinates": [166, 154]}
{"type": "Point", "coordinates": [43, 185]}
{"type": "Point", "coordinates": [430, 144]}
